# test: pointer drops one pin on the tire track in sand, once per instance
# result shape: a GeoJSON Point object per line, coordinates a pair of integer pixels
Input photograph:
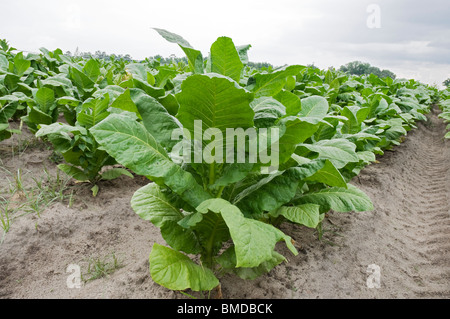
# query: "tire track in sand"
{"type": "Point", "coordinates": [418, 210]}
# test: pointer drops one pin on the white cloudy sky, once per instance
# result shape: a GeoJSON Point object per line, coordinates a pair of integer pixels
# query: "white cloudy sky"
{"type": "Point", "coordinates": [413, 39]}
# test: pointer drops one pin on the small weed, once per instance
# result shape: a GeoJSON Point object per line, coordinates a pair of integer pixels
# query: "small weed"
{"type": "Point", "coordinates": [25, 144]}
{"type": "Point", "coordinates": [46, 190]}
{"type": "Point", "coordinates": [6, 217]}
{"type": "Point", "coordinates": [34, 198]}
{"type": "Point", "coordinates": [99, 267]}
{"type": "Point", "coordinates": [56, 157]}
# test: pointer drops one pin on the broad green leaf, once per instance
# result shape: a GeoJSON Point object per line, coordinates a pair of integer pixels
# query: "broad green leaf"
{"type": "Point", "coordinates": [114, 173]}
{"type": "Point", "coordinates": [93, 111]}
{"type": "Point", "coordinates": [150, 79]}
{"type": "Point", "coordinates": [68, 100]}
{"type": "Point", "coordinates": [9, 98]}
{"type": "Point", "coordinates": [233, 173]}
{"type": "Point", "coordinates": [254, 241]}
{"type": "Point", "coordinates": [338, 199]}
{"type": "Point", "coordinates": [92, 70]}
{"type": "Point", "coordinates": [366, 156]}
{"type": "Point", "coordinates": [335, 84]}
{"type": "Point", "coordinates": [225, 59]}
{"type": "Point", "coordinates": [326, 131]}
{"type": "Point", "coordinates": [267, 194]}
{"type": "Point", "coordinates": [57, 133]}
{"type": "Point", "coordinates": [215, 100]}
{"type": "Point", "coordinates": [396, 128]}
{"type": "Point", "coordinates": [269, 84]}
{"type": "Point", "coordinates": [60, 128]}
{"type": "Point", "coordinates": [135, 148]}
{"type": "Point", "coordinates": [306, 167]}
{"type": "Point", "coordinates": [164, 75]}
{"type": "Point", "coordinates": [361, 136]}
{"type": "Point", "coordinates": [45, 98]}
{"type": "Point", "coordinates": [81, 80]}
{"type": "Point", "coordinates": [180, 238]}
{"type": "Point", "coordinates": [377, 106]}
{"type": "Point", "coordinates": [169, 101]}
{"type": "Point", "coordinates": [328, 77]}
{"type": "Point", "coordinates": [290, 83]}
{"type": "Point", "coordinates": [114, 91]}
{"type": "Point", "coordinates": [176, 271]}
{"type": "Point", "coordinates": [11, 81]}
{"type": "Point", "coordinates": [147, 88]}
{"type": "Point", "coordinates": [124, 102]}
{"type": "Point", "coordinates": [3, 62]}
{"type": "Point", "coordinates": [57, 81]}
{"type": "Point", "coordinates": [293, 131]}
{"type": "Point", "coordinates": [328, 175]}
{"type": "Point", "coordinates": [306, 214]}
{"type": "Point", "coordinates": [5, 134]}
{"type": "Point", "coordinates": [158, 122]}
{"type": "Point", "coordinates": [210, 229]}
{"type": "Point", "coordinates": [356, 116]}
{"type": "Point", "coordinates": [228, 261]}
{"type": "Point", "coordinates": [172, 37]}
{"type": "Point", "coordinates": [7, 111]}
{"type": "Point", "coordinates": [21, 65]}
{"type": "Point", "coordinates": [73, 172]}
{"type": "Point", "coordinates": [362, 114]}
{"type": "Point", "coordinates": [36, 116]}
{"type": "Point", "coordinates": [267, 111]}
{"type": "Point", "coordinates": [138, 71]}
{"type": "Point", "coordinates": [242, 51]}
{"type": "Point", "coordinates": [290, 101]}
{"type": "Point", "coordinates": [151, 204]}
{"type": "Point", "coordinates": [339, 151]}
{"type": "Point", "coordinates": [195, 57]}
{"type": "Point", "coordinates": [352, 125]}
{"type": "Point", "coordinates": [314, 106]}
{"type": "Point", "coordinates": [445, 116]}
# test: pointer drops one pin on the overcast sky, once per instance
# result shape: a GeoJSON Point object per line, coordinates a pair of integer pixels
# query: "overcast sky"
{"type": "Point", "coordinates": [409, 37]}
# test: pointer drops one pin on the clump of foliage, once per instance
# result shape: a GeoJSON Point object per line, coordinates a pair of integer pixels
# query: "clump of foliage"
{"type": "Point", "coordinates": [360, 68]}
{"type": "Point", "coordinates": [446, 83]}
{"type": "Point", "coordinates": [445, 107]}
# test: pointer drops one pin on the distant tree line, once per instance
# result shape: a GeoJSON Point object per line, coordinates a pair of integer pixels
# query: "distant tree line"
{"type": "Point", "coordinates": [260, 65]}
{"type": "Point", "coordinates": [447, 83]}
{"type": "Point", "coordinates": [171, 59]}
{"type": "Point", "coordinates": [360, 68]}
{"type": "Point", "coordinates": [356, 67]}
{"type": "Point", "coordinates": [99, 55]}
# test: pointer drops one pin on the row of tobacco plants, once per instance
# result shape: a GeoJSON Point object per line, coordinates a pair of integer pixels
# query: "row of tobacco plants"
{"type": "Point", "coordinates": [329, 126]}
{"type": "Point", "coordinates": [445, 107]}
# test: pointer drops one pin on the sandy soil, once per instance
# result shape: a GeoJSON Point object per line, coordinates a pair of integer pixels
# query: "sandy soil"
{"type": "Point", "coordinates": [407, 235]}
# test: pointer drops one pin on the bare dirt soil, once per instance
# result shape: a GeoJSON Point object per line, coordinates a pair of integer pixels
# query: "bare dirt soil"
{"type": "Point", "coordinates": [407, 235]}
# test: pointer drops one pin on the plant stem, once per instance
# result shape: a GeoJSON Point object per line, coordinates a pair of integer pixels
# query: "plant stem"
{"type": "Point", "coordinates": [219, 193]}
{"type": "Point", "coordinates": [212, 173]}
{"type": "Point", "coordinates": [209, 247]}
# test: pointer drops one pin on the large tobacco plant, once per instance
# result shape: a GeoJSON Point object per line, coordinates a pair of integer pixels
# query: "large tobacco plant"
{"type": "Point", "coordinates": [227, 211]}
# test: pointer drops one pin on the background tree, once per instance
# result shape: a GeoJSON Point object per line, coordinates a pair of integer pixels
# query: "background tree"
{"type": "Point", "coordinates": [447, 83]}
{"type": "Point", "coordinates": [360, 68]}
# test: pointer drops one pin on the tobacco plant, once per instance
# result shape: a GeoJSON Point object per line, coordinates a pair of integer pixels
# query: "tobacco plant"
{"type": "Point", "coordinates": [226, 211]}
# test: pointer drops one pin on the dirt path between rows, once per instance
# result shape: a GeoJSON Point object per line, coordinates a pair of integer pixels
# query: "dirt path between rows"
{"type": "Point", "coordinates": [404, 242]}
{"type": "Point", "coordinates": [407, 235]}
